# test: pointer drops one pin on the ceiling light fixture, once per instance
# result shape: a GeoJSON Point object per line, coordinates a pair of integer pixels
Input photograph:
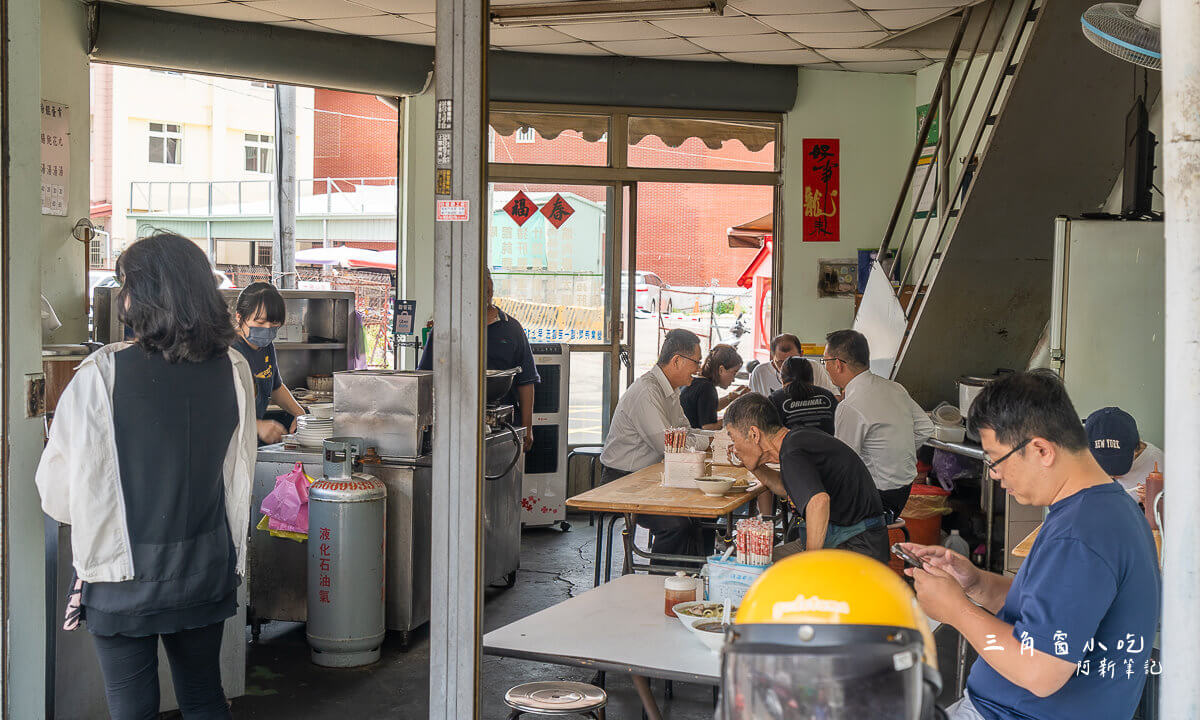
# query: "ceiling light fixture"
{"type": "Point", "coordinates": [587, 11]}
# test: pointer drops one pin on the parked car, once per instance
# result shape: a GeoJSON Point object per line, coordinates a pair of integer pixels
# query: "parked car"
{"type": "Point", "coordinates": [648, 291]}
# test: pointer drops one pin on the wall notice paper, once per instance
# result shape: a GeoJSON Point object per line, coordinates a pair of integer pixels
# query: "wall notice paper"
{"type": "Point", "coordinates": [453, 210]}
{"type": "Point", "coordinates": [56, 157]}
{"type": "Point", "coordinates": [881, 319]}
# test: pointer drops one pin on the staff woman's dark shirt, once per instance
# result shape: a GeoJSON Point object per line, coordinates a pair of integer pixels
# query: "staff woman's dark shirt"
{"type": "Point", "coordinates": [265, 370]}
{"type": "Point", "coordinates": [814, 411]}
{"type": "Point", "coordinates": [699, 401]}
{"type": "Point", "coordinates": [507, 348]}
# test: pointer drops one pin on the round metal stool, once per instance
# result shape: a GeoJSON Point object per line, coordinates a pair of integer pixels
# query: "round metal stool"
{"type": "Point", "coordinates": [556, 698]}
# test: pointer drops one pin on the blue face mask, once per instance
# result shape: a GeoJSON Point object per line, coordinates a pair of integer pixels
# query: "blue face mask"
{"type": "Point", "coordinates": [261, 336]}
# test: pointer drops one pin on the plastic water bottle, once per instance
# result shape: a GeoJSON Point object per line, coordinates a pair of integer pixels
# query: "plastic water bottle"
{"type": "Point", "coordinates": [958, 544]}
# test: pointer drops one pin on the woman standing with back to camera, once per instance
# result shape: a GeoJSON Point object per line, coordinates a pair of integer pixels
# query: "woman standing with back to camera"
{"type": "Point", "coordinates": [149, 460]}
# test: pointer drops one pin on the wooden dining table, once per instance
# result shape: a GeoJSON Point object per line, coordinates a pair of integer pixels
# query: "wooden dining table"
{"type": "Point", "coordinates": [642, 493]}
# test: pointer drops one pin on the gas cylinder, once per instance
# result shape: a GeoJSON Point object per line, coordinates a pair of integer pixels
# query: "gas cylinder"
{"type": "Point", "coordinates": [346, 546]}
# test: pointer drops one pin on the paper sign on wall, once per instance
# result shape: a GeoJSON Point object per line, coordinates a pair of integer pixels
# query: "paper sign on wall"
{"type": "Point", "coordinates": [453, 210]}
{"type": "Point", "coordinates": [56, 157]}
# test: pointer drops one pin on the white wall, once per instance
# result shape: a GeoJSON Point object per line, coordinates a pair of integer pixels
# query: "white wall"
{"type": "Point", "coordinates": [65, 79]}
{"type": "Point", "coordinates": [873, 117]}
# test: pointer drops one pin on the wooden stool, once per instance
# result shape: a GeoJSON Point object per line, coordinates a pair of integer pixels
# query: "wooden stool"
{"type": "Point", "coordinates": [556, 698]}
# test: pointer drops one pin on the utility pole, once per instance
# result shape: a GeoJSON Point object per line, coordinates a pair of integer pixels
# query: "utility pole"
{"type": "Point", "coordinates": [456, 591]}
{"type": "Point", "coordinates": [283, 249]}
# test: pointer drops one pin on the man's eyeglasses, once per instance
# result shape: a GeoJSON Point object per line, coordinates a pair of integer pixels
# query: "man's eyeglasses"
{"type": "Point", "coordinates": [827, 360]}
{"type": "Point", "coordinates": [685, 357]}
{"type": "Point", "coordinates": [990, 465]}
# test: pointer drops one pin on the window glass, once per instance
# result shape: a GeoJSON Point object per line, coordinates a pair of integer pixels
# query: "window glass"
{"type": "Point", "coordinates": [657, 142]}
{"type": "Point", "coordinates": [546, 251]}
{"type": "Point", "coordinates": [537, 138]}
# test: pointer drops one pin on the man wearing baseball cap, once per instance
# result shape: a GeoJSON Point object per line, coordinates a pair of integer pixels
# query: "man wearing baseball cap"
{"type": "Point", "coordinates": [1118, 448]}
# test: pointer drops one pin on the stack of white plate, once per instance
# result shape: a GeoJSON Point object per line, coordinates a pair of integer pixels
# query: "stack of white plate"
{"type": "Point", "coordinates": [312, 431]}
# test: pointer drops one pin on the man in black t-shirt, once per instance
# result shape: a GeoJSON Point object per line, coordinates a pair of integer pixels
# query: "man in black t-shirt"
{"type": "Point", "coordinates": [824, 480]}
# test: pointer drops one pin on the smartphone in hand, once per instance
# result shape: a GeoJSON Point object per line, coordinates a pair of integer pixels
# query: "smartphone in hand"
{"type": "Point", "coordinates": [907, 557]}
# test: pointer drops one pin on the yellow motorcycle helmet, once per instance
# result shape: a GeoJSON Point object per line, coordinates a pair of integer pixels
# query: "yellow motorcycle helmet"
{"type": "Point", "coordinates": [829, 635]}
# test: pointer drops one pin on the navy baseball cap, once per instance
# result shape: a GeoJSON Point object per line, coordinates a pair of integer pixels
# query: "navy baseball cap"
{"type": "Point", "coordinates": [1113, 439]}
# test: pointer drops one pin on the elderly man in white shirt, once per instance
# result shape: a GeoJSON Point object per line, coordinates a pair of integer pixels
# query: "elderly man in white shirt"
{"type": "Point", "coordinates": [635, 435]}
{"type": "Point", "coordinates": [877, 418]}
{"type": "Point", "coordinates": [764, 379]}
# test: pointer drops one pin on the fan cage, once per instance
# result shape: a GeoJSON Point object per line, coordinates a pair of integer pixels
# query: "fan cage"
{"type": "Point", "coordinates": [1113, 28]}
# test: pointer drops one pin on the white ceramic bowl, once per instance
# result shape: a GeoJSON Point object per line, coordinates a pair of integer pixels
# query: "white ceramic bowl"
{"type": "Point", "coordinates": [689, 620]}
{"type": "Point", "coordinates": [712, 640]}
{"type": "Point", "coordinates": [714, 485]}
{"type": "Point", "coordinates": [321, 410]}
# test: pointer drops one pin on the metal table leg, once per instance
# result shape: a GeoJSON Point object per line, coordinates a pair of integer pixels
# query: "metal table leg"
{"type": "Point", "coordinates": [599, 551]}
{"type": "Point", "coordinates": [648, 705]}
{"type": "Point", "coordinates": [627, 537]}
{"type": "Point", "coordinates": [608, 543]}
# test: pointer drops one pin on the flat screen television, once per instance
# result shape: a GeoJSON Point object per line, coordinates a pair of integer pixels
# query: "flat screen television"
{"type": "Point", "coordinates": [1139, 163]}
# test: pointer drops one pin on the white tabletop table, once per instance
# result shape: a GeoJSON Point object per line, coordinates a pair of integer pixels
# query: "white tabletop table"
{"type": "Point", "coordinates": [616, 627]}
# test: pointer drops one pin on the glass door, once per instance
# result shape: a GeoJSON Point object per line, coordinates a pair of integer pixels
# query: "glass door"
{"type": "Point", "coordinates": [550, 255]}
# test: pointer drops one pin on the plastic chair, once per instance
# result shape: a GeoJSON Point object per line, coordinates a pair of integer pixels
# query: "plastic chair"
{"type": "Point", "coordinates": [556, 698]}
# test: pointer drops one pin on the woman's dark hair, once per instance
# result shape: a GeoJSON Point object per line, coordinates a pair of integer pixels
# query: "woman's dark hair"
{"type": "Point", "coordinates": [720, 356]}
{"type": "Point", "coordinates": [261, 299]}
{"type": "Point", "coordinates": [797, 377]}
{"type": "Point", "coordinates": [169, 299]}
{"type": "Point", "coordinates": [1026, 405]}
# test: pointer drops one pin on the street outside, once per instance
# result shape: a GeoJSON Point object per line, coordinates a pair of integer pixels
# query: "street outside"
{"type": "Point", "coordinates": [587, 371]}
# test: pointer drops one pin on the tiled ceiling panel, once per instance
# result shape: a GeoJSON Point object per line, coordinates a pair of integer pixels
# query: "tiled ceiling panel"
{"type": "Point", "coordinates": [821, 34]}
{"type": "Point", "coordinates": [840, 39]}
{"type": "Point", "coordinates": [855, 21]}
{"type": "Point", "coordinates": [605, 31]}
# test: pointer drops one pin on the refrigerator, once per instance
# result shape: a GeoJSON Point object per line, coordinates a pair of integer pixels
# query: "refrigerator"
{"type": "Point", "coordinates": [1106, 321]}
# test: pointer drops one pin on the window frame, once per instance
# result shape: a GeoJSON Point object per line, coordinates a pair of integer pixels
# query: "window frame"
{"type": "Point", "coordinates": [164, 134]}
{"type": "Point", "coordinates": [264, 153]}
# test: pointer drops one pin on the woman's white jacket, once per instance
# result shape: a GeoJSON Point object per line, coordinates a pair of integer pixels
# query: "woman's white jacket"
{"type": "Point", "coordinates": [80, 481]}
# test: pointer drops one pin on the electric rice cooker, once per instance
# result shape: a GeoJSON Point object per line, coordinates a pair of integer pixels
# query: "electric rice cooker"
{"type": "Point", "coordinates": [969, 387]}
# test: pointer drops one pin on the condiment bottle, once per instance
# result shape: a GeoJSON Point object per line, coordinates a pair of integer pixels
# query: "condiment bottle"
{"type": "Point", "coordinates": [679, 588]}
{"type": "Point", "coordinates": [1154, 486]}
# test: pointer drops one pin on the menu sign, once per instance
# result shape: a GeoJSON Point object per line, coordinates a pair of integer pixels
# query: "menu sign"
{"type": "Point", "coordinates": [56, 157]}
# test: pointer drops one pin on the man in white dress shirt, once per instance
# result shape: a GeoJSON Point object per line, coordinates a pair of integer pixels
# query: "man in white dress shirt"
{"type": "Point", "coordinates": [635, 435]}
{"type": "Point", "coordinates": [765, 379]}
{"type": "Point", "coordinates": [877, 418]}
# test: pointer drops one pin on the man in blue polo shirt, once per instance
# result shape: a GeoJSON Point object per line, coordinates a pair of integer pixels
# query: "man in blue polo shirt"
{"type": "Point", "coordinates": [1070, 636]}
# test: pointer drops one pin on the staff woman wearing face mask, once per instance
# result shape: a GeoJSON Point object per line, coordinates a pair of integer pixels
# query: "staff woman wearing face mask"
{"type": "Point", "coordinates": [260, 312]}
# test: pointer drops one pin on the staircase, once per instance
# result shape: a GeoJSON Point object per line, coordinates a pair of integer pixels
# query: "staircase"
{"type": "Point", "coordinates": [1040, 112]}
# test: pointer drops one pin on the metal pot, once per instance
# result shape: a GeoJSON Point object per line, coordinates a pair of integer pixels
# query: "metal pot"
{"type": "Point", "coordinates": [499, 382]}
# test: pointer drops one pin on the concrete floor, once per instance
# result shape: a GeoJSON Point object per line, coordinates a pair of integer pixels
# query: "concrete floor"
{"type": "Point", "coordinates": [281, 683]}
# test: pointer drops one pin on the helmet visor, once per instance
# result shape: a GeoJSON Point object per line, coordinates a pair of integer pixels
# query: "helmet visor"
{"type": "Point", "coordinates": [835, 684]}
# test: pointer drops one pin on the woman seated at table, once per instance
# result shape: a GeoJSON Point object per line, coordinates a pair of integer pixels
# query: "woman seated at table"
{"type": "Point", "coordinates": [801, 403]}
{"type": "Point", "coordinates": [699, 400]}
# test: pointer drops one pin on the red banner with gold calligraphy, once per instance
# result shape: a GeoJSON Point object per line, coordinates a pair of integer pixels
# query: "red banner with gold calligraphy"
{"type": "Point", "coordinates": [822, 181]}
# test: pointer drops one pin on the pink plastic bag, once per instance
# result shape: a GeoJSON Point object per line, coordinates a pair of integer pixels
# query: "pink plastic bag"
{"type": "Point", "coordinates": [287, 504]}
